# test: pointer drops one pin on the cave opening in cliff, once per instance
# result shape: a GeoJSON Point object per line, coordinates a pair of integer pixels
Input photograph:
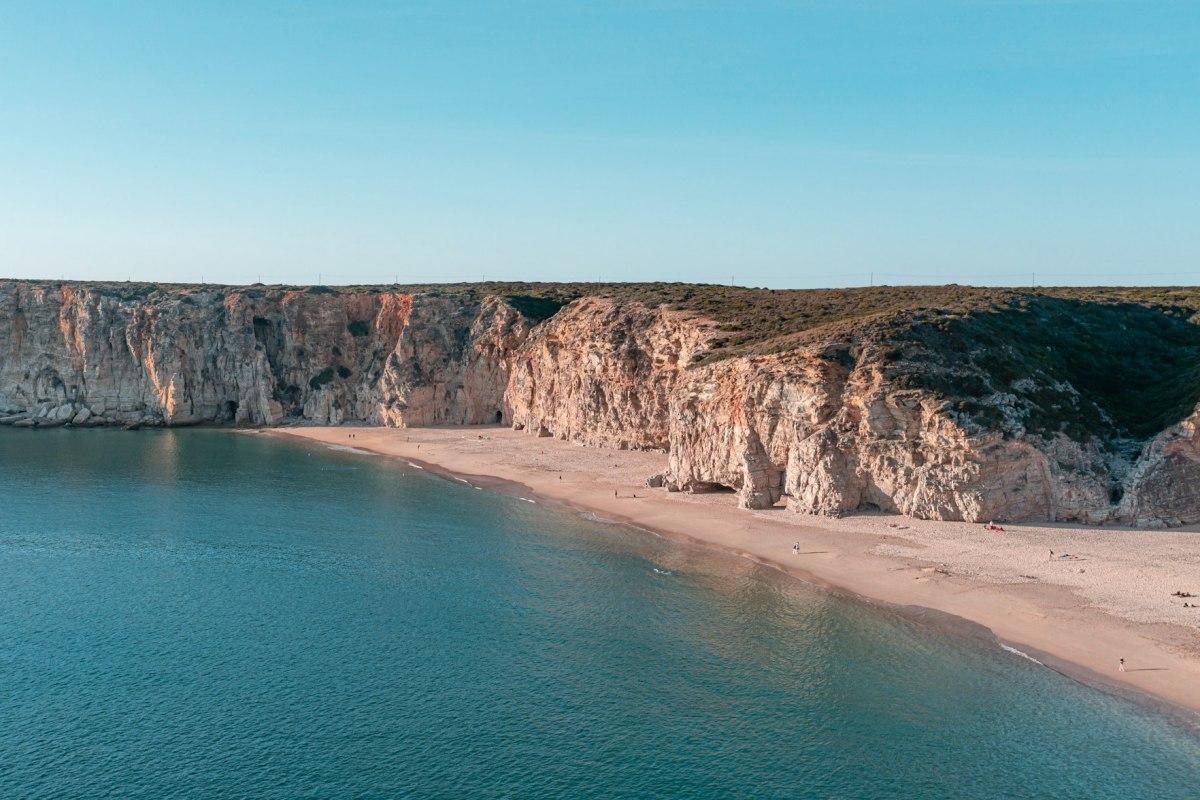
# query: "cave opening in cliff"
{"type": "Point", "coordinates": [708, 487]}
{"type": "Point", "coordinates": [499, 417]}
{"type": "Point", "coordinates": [231, 410]}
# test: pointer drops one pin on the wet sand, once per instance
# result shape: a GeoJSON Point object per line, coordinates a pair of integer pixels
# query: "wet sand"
{"type": "Point", "coordinates": [1110, 599]}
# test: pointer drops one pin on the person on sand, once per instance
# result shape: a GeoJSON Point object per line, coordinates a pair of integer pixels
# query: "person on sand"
{"type": "Point", "coordinates": [1120, 665]}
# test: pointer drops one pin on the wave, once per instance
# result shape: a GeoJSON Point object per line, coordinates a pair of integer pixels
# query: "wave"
{"type": "Point", "coordinates": [1015, 651]}
{"type": "Point", "coordinates": [347, 449]}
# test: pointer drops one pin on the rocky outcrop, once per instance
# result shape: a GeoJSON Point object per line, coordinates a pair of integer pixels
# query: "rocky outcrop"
{"type": "Point", "coordinates": [604, 375]}
{"type": "Point", "coordinates": [915, 420]}
{"type": "Point", "coordinates": [832, 438]}
{"type": "Point", "coordinates": [826, 428]}
{"type": "Point", "coordinates": [1163, 486]}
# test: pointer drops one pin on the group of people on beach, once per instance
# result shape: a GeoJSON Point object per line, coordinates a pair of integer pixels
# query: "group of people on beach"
{"type": "Point", "coordinates": [1185, 594]}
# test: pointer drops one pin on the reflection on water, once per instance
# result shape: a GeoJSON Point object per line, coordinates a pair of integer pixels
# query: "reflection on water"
{"type": "Point", "coordinates": [199, 613]}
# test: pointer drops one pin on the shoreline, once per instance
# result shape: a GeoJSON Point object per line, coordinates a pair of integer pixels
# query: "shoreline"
{"type": "Point", "coordinates": [896, 561]}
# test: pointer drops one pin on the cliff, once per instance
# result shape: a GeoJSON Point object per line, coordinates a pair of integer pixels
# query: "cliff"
{"type": "Point", "coordinates": [942, 402]}
{"type": "Point", "coordinates": [88, 356]}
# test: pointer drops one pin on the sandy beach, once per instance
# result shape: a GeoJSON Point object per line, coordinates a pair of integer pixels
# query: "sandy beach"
{"type": "Point", "coordinates": [1110, 597]}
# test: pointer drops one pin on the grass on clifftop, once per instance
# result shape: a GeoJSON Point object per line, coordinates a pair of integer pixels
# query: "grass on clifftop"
{"type": "Point", "coordinates": [1097, 366]}
{"type": "Point", "coordinates": [751, 320]}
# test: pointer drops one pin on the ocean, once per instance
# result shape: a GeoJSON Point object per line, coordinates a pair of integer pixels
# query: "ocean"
{"type": "Point", "coordinates": [199, 613]}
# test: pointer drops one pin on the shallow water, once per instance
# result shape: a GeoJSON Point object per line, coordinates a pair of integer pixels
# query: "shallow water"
{"type": "Point", "coordinates": [201, 614]}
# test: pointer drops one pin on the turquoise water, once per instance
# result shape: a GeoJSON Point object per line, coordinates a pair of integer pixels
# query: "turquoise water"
{"type": "Point", "coordinates": [202, 614]}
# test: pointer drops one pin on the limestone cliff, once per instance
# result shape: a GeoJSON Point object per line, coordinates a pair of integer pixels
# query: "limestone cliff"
{"type": "Point", "coordinates": [604, 374]}
{"type": "Point", "coordinates": [73, 354]}
{"type": "Point", "coordinates": [893, 415]}
{"type": "Point", "coordinates": [1020, 409]}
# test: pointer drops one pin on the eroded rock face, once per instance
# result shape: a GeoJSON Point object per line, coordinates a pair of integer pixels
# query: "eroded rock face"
{"type": "Point", "coordinates": [451, 365]}
{"type": "Point", "coordinates": [602, 374]}
{"type": "Point", "coordinates": [1163, 488]}
{"type": "Point", "coordinates": [820, 431]}
{"type": "Point", "coordinates": [73, 354]}
{"type": "Point", "coordinates": [832, 426]}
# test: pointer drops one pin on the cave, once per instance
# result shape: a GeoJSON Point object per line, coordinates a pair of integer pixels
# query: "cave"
{"type": "Point", "coordinates": [231, 410]}
{"type": "Point", "coordinates": [708, 487]}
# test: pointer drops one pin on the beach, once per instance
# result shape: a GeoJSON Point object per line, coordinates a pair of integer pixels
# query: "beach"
{"type": "Point", "coordinates": [1109, 598]}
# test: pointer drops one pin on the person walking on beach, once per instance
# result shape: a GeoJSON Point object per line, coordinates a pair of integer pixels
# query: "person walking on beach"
{"type": "Point", "coordinates": [796, 549]}
{"type": "Point", "coordinates": [1120, 665]}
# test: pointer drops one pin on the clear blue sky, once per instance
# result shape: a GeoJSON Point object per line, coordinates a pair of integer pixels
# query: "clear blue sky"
{"type": "Point", "coordinates": [783, 143]}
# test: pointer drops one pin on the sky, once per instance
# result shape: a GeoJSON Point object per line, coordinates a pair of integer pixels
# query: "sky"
{"type": "Point", "coordinates": [782, 144]}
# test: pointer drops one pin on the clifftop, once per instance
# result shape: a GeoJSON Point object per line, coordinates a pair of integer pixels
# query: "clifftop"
{"type": "Point", "coordinates": [751, 320]}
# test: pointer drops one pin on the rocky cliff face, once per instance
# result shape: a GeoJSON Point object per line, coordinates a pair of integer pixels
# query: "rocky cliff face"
{"type": "Point", "coordinates": [834, 437]}
{"type": "Point", "coordinates": [844, 423]}
{"type": "Point", "coordinates": [72, 354]}
{"type": "Point", "coordinates": [919, 418]}
{"type": "Point", "coordinates": [604, 375]}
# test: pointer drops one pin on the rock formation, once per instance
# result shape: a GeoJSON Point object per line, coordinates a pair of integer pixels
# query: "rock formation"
{"type": "Point", "coordinates": [929, 416]}
{"type": "Point", "coordinates": [84, 356]}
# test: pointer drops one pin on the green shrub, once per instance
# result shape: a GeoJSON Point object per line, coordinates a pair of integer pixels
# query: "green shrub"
{"type": "Point", "coordinates": [536, 308]}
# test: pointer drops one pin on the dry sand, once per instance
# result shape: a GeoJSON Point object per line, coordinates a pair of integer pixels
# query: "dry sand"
{"type": "Point", "coordinates": [1111, 599]}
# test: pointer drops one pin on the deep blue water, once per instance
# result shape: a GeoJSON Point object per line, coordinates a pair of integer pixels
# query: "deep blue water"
{"type": "Point", "coordinates": [203, 614]}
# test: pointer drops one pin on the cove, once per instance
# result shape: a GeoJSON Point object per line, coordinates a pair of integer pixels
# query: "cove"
{"type": "Point", "coordinates": [197, 613]}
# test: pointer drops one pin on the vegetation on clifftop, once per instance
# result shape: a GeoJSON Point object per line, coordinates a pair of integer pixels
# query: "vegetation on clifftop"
{"type": "Point", "coordinates": [1091, 366]}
